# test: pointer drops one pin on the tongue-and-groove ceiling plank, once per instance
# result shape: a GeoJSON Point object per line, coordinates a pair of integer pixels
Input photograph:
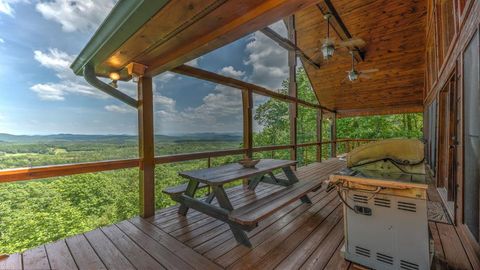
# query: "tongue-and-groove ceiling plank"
{"type": "Point", "coordinates": [395, 35]}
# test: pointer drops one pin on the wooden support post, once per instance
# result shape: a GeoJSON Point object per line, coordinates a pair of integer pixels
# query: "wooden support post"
{"type": "Point", "coordinates": [247, 101]}
{"type": "Point", "coordinates": [333, 136]}
{"type": "Point", "coordinates": [319, 135]}
{"type": "Point", "coordinates": [292, 87]}
{"type": "Point", "coordinates": [146, 147]}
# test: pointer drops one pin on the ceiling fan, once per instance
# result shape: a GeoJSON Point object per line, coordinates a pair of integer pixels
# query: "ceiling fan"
{"type": "Point", "coordinates": [328, 46]}
{"type": "Point", "coordinates": [353, 74]}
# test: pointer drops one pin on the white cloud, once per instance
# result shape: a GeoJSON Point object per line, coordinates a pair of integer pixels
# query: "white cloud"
{"type": "Point", "coordinates": [54, 59]}
{"type": "Point", "coordinates": [164, 103]}
{"type": "Point", "coordinates": [76, 15]}
{"type": "Point", "coordinates": [220, 111]}
{"type": "Point", "coordinates": [229, 71]}
{"type": "Point", "coordinates": [6, 6]}
{"type": "Point", "coordinates": [2, 40]}
{"type": "Point", "coordinates": [280, 28]}
{"type": "Point", "coordinates": [59, 62]}
{"type": "Point", "coordinates": [48, 91]}
{"type": "Point", "coordinates": [268, 60]}
{"type": "Point", "coordinates": [194, 62]}
{"type": "Point", "coordinates": [165, 77]}
{"type": "Point", "coordinates": [119, 109]}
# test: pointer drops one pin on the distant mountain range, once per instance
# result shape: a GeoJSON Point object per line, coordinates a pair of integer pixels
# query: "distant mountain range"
{"type": "Point", "coordinates": [5, 137]}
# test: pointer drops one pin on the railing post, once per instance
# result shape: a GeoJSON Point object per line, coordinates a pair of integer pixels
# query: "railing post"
{"type": "Point", "coordinates": [146, 147]}
{"type": "Point", "coordinates": [292, 86]}
{"type": "Point", "coordinates": [319, 135]}
{"type": "Point", "coordinates": [247, 107]}
{"type": "Point", "coordinates": [247, 102]}
{"type": "Point", "coordinates": [333, 136]}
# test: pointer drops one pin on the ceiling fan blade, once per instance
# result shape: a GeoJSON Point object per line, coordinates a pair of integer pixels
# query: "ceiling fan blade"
{"type": "Point", "coordinates": [373, 70]}
{"type": "Point", "coordinates": [353, 43]}
{"type": "Point", "coordinates": [312, 49]}
{"type": "Point", "coordinates": [363, 76]}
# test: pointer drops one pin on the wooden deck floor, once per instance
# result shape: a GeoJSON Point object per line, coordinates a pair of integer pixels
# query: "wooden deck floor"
{"type": "Point", "coordinates": [299, 236]}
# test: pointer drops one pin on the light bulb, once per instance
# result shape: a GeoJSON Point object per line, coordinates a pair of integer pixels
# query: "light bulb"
{"type": "Point", "coordinates": [114, 76]}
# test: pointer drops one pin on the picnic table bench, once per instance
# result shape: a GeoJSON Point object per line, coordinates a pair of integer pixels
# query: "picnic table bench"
{"type": "Point", "coordinates": [244, 218]}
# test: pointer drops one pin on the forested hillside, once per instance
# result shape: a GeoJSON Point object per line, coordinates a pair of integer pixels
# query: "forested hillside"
{"type": "Point", "coordinates": [36, 212]}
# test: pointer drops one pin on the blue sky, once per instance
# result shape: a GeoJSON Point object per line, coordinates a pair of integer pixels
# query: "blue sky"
{"type": "Point", "coordinates": [40, 95]}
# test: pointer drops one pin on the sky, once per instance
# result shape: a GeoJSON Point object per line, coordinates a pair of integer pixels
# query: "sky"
{"type": "Point", "coordinates": [39, 94]}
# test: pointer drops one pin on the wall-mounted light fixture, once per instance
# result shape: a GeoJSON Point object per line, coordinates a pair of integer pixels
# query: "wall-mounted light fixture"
{"type": "Point", "coordinates": [115, 77]}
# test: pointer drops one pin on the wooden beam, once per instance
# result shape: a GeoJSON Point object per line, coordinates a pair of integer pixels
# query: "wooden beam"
{"type": "Point", "coordinates": [239, 85]}
{"type": "Point", "coordinates": [247, 101]}
{"type": "Point", "coordinates": [288, 45]}
{"type": "Point", "coordinates": [22, 174]}
{"type": "Point", "coordinates": [292, 86]}
{"type": "Point", "coordinates": [146, 147]}
{"type": "Point", "coordinates": [333, 136]}
{"type": "Point", "coordinates": [408, 108]}
{"type": "Point", "coordinates": [319, 135]}
{"type": "Point", "coordinates": [339, 26]}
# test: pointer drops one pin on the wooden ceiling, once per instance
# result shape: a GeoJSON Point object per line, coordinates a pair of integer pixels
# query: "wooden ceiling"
{"type": "Point", "coordinates": [395, 35]}
{"type": "Point", "coordinates": [176, 32]}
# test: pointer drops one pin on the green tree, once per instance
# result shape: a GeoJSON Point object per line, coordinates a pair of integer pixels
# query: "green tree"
{"type": "Point", "coordinates": [273, 117]}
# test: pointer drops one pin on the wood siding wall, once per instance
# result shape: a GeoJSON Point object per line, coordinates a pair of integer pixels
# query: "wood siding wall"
{"type": "Point", "coordinates": [451, 24]}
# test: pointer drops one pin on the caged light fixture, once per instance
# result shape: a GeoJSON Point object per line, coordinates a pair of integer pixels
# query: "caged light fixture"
{"type": "Point", "coordinates": [328, 47]}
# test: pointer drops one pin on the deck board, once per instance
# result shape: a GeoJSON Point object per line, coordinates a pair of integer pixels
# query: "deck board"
{"type": "Point", "coordinates": [12, 262]}
{"type": "Point", "coordinates": [297, 236]}
{"type": "Point", "coordinates": [36, 258]}
{"type": "Point", "coordinates": [59, 256]}
{"type": "Point", "coordinates": [106, 250]}
{"type": "Point", "coordinates": [135, 254]}
{"type": "Point", "coordinates": [84, 255]}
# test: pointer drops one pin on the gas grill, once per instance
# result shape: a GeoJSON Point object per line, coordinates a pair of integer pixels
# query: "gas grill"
{"type": "Point", "coordinates": [384, 193]}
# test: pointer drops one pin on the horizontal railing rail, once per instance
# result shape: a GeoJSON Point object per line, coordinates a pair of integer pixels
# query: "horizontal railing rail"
{"type": "Point", "coordinates": [39, 172]}
{"type": "Point", "coordinates": [31, 173]}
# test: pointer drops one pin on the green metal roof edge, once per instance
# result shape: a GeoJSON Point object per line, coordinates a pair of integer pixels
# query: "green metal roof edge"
{"type": "Point", "coordinates": [126, 17]}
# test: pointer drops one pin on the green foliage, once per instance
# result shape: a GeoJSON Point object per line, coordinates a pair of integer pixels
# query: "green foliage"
{"type": "Point", "coordinates": [42, 211]}
{"type": "Point", "coordinates": [379, 127]}
{"type": "Point", "coordinates": [36, 212]}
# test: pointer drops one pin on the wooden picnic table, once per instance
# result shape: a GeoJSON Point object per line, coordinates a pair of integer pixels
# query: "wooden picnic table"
{"type": "Point", "coordinates": [246, 217]}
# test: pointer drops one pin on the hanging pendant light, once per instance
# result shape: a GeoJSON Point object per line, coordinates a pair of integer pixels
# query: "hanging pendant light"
{"type": "Point", "coordinates": [328, 47]}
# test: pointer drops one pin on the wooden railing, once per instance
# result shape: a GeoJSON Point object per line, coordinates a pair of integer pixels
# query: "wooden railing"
{"type": "Point", "coordinates": [22, 174]}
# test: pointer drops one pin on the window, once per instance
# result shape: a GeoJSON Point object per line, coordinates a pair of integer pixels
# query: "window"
{"type": "Point", "coordinates": [471, 176]}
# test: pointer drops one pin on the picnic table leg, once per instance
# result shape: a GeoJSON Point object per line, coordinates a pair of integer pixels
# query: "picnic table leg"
{"type": "Point", "coordinates": [254, 181]}
{"type": "Point", "coordinates": [191, 189]}
{"type": "Point", "coordinates": [225, 203]}
{"type": "Point", "coordinates": [292, 178]}
{"type": "Point", "coordinates": [210, 197]}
